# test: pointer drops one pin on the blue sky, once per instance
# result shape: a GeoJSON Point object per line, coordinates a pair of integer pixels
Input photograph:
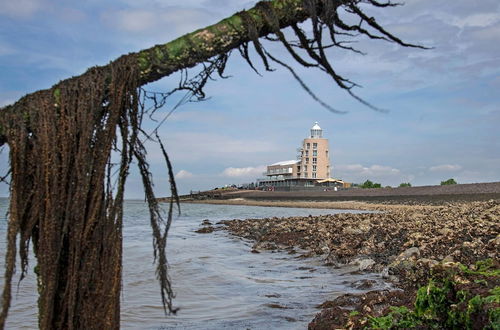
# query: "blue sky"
{"type": "Point", "coordinates": [444, 103]}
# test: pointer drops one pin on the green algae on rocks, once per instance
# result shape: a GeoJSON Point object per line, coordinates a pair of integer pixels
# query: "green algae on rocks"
{"type": "Point", "coordinates": [456, 297]}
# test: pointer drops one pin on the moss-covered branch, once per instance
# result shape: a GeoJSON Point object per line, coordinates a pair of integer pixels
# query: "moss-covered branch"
{"type": "Point", "coordinates": [196, 47]}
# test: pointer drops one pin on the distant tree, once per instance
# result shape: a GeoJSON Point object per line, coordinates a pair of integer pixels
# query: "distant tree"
{"type": "Point", "coordinates": [448, 182]}
{"type": "Point", "coordinates": [369, 184]}
{"type": "Point", "coordinates": [405, 184]}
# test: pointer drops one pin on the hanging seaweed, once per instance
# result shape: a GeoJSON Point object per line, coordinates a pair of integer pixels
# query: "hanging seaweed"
{"type": "Point", "coordinates": [60, 148]}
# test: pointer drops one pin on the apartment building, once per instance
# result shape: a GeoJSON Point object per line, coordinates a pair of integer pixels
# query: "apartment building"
{"type": "Point", "coordinates": [312, 164]}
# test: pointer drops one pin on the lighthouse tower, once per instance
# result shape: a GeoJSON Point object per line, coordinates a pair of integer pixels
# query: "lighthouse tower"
{"type": "Point", "coordinates": [314, 156]}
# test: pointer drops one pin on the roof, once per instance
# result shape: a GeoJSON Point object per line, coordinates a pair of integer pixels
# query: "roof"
{"type": "Point", "coordinates": [330, 180]}
{"type": "Point", "coordinates": [286, 162]}
{"type": "Point", "coordinates": [316, 126]}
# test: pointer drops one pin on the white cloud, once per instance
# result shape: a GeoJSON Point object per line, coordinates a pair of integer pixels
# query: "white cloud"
{"type": "Point", "coordinates": [374, 170]}
{"type": "Point", "coordinates": [173, 21]}
{"type": "Point", "coordinates": [234, 172]}
{"type": "Point", "coordinates": [183, 174]}
{"type": "Point", "coordinates": [20, 8]}
{"type": "Point", "coordinates": [477, 20]}
{"type": "Point", "coordinates": [132, 20]}
{"type": "Point", "coordinates": [214, 147]}
{"type": "Point", "coordinates": [445, 167]}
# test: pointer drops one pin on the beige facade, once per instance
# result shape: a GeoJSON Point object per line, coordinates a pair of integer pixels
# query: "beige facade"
{"type": "Point", "coordinates": [312, 164]}
{"type": "Point", "coordinates": [314, 156]}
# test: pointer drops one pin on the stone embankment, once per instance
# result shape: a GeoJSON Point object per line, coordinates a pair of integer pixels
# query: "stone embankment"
{"type": "Point", "coordinates": [403, 242]}
{"type": "Point", "coordinates": [407, 195]}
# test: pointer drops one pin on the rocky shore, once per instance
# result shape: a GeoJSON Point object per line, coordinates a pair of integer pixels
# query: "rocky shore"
{"type": "Point", "coordinates": [408, 244]}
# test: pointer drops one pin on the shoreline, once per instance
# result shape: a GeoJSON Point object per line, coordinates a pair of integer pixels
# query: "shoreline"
{"type": "Point", "coordinates": [344, 205]}
{"type": "Point", "coordinates": [428, 195]}
{"type": "Point", "coordinates": [406, 243]}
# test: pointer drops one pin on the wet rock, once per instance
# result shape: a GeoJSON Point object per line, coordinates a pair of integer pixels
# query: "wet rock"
{"type": "Point", "coordinates": [205, 230]}
{"type": "Point", "coordinates": [337, 313]}
{"type": "Point", "coordinates": [276, 306]}
{"type": "Point", "coordinates": [363, 264]}
{"type": "Point", "coordinates": [274, 295]}
{"type": "Point", "coordinates": [206, 222]}
{"type": "Point", "coordinates": [363, 284]}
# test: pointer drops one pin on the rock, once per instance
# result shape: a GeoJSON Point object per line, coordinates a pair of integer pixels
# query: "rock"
{"type": "Point", "coordinates": [448, 258]}
{"type": "Point", "coordinates": [445, 231]}
{"type": "Point", "coordinates": [206, 222]}
{"type": "Point", "coordinates": [364, 264]}
{"type": "Point", "coordinates": [363, 284]}
{"type": "Point", "coordinates": [430, 262]}
{"type": "Point", "coordinates": [205, 230]}
{"type": "Point", "coordinates": [352, 231]}
{"type": "Point", "coordinates": [410, 253]}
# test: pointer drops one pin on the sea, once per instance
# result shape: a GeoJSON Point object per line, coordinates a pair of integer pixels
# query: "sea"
{"type": "Point", "coordinates": [218, 282]}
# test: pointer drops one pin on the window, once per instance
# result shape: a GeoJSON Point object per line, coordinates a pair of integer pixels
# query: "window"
{"type": "Point", "coordinates": [315, 145]}
{"type": "Point", "coordinates": [314, 175]}
{"type": "Point", "coordinates": [307, 153]}
{"type": "Point", "coordinates": [305, 174]}
{"type": "Point", "coordinates": [314, 168]}
{"type": "Point", "coordinates": [307, 160]}
{"type": "Point", "coordinates": [315, 153]}
{"type": "Point", "coordinates": [308, 145]}
{"type": "Point", "coordinates": [305, 167]}
{"type": "Point", "coordinates": [315, 160]}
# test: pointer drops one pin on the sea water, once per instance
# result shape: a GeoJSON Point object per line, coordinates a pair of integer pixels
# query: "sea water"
{"type": "Point", "coordinates": [219, 283]}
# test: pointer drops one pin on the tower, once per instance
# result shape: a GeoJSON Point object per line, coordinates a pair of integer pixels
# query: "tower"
{"type": "Point", "coordinates": [314, 156]}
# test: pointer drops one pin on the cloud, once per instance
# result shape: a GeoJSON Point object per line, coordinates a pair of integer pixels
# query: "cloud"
{"type": "Point", "coordinates": [214, 147]}
{"type": "Point", "coordinates": [173, 20]}
{"type": "Point", "coordinates": [477, 20]}
{"type": "Point", "coordinates": [235, 172]}
{"type": "Point", "coordinates": [132, 20]}
{"type": "Point", "coordinates": [183, 174]}
{"type": "Point", "coordinates": [374, 170]}
{"type": "Point", "coordinates": [445, 168]}
{"type": "Point", "coordinates": [20, 8]}
{"type": "Point", "coordinates": [378, 173]}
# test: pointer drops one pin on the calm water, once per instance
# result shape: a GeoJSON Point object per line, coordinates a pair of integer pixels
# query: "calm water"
{"type": "Point", "coordinates": [218, 282]}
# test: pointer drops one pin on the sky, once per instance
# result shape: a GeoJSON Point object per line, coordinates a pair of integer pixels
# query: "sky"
{"type": "Point", "coordinates": [443, 104]}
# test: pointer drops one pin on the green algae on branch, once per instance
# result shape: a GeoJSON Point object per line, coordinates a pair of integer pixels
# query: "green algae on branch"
{"type": "Point", "coordinates": [193, 48]}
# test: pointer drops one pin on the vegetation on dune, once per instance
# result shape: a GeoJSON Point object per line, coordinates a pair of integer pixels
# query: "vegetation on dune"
{"type": "Point", "coordinates": [369, 184]}
{"type": "Point", "coordinates": [448, 182]}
